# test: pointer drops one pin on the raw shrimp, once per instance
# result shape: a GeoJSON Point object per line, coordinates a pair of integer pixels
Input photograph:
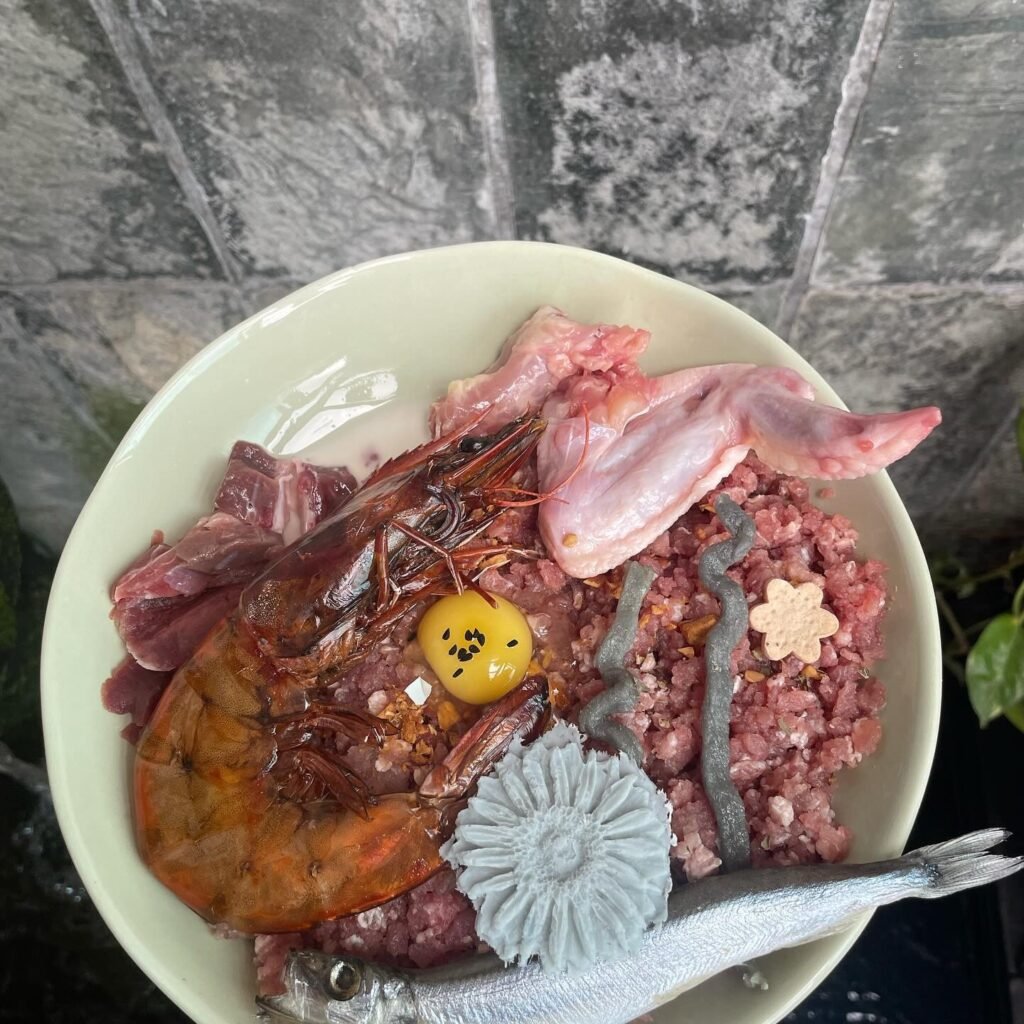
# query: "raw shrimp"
{"type": "Point", "coordinates": [242, 806]}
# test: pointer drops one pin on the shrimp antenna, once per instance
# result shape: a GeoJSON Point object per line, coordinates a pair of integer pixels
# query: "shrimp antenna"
{"type": "Point", "coordinates": [550, 495]}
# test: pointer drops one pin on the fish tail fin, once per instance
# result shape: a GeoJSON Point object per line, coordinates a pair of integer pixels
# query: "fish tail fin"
{"type": "Point", "coordinates": [964, 863]}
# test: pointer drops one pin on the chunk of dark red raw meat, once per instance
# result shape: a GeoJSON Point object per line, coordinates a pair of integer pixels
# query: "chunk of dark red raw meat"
{"type": "Point", "coordinates": [171, 596]}
{"type": "Point", "coordinates": [133, 690]}
{"type": "Point", "coordinates": [218, 551]}
{"type": "Point", "coordinates": [161, 633]}
{"type": "Point", "coordinates": [285, 495]}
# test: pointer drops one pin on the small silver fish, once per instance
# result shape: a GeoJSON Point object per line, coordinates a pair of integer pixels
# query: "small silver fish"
{"type": "Point", "coordinates": [713, 924]}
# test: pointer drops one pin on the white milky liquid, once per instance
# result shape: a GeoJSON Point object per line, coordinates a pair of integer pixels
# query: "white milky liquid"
{"type": "Point", "coordinates": [341, 418]}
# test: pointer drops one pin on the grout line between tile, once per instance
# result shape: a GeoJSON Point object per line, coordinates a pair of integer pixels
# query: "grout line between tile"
{"type": "Point", "coordinates": [125, 45]}
{"type": "Point", "coordinates": [854, 92]}
{"type": "Point", "coordinates": [501, 206]}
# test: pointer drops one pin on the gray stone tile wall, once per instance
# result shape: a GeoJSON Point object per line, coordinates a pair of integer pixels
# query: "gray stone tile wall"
{"type": "Point", "coordinates": [917, 287]}
{"type": "Point", "coordinates": [323, 133]}
{"type": "Point", "coordinates": [686, 137]}
{"type": "Point", "coordinates": [846, 171]}
{"type": "Point", "coordinates": [959, 348]}
{"type": "Point", "coordinates": [86, 190]}
{"type": "Point", "coordinates": [931, 190]}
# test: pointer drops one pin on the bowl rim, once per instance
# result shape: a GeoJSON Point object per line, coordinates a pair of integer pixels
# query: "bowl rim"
{"type": "Point", "coordinates": [196, 1007]}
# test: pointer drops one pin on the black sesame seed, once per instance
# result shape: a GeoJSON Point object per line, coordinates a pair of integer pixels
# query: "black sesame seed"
{"type": "Point", "coordinates": [512, 643]}
{"type": "Point", "coordinates": [457, 673]}
{"type": "Point", "coordinates": [453, 648]}
{"type": "Point", "coordinates": [473, 649]}
{"type": "Point", "coordinates": [469, 634]}
{"type": "Point", "coordinates": [464, 655]}
{"type": "Point", "coordinates": [446, 635]}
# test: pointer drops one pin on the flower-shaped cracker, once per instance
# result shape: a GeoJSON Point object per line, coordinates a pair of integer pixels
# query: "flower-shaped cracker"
{"type": "Point", "coordinates": [793, 621]}
{"type": "Point", "coordinates": [564, 854]}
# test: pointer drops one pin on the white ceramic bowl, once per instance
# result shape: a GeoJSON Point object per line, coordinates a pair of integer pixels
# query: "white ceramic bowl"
{"type": "Point", "coordinates": [372, 346]}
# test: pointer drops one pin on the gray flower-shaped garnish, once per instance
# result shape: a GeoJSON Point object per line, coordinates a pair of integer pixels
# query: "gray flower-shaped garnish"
{"type": "Point", "coordinates": [564, 854]}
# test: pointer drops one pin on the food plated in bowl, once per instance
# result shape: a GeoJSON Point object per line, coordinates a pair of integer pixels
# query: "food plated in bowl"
{"type": "Point", "coordinates": [307, 379]}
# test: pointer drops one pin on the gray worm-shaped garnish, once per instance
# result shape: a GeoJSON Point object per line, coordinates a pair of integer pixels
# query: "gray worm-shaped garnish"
{"type": "Point", "coordinates": [733, 832]}
{"type": "Point", "coordinates": [622, 690]}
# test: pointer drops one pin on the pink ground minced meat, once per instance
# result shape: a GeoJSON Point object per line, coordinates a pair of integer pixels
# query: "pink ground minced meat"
{"type": "Point", "coordinates": [794, 727]}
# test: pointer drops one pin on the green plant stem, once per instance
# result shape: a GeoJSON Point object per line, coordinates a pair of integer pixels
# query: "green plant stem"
{"type": "Point", "coordinates": [1018, 603]}
{"type": "Point", "coordinates": [963, 645]}
{"type": "Point", "coordinates": [975, 628]}
{"type": "Point", "coordinates": [1015, 561]}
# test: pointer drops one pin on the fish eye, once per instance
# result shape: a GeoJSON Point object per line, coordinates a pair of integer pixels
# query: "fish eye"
{"type": "Point", "coordinates": [344, 980]}
{"type": "Point", "coordinates": [472, 445]}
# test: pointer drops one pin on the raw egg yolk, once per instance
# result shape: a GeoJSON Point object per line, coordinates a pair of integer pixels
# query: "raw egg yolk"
{"type": "Point", "coordinates": [478, 652]}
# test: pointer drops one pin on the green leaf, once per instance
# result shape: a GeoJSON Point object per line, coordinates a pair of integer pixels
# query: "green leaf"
{"type": "Point", "coordinates": [1020, 433]}
{"type": "Point", "coordinates": [995, 668]}
{"type": "Point", "coordinates": [1016, 715]}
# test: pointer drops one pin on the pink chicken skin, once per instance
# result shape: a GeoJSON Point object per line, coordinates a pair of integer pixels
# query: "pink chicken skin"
{"type": "Point", "coordinates": [547, 349]}
{"type": "Point", "coordinates": [627, 454]}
